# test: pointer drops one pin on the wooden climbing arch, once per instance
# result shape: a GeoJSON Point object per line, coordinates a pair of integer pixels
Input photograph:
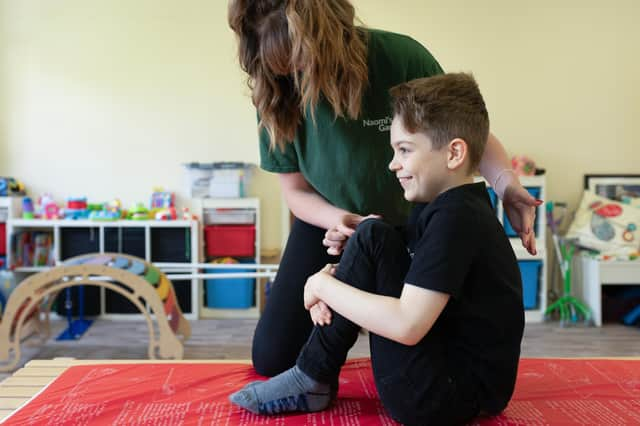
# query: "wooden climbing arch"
{"type": "Point", "coordinates": [140, 282]}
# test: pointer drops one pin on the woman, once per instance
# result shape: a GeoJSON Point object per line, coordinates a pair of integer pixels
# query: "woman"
{"type": "Point", "coordinates": [320, 86]}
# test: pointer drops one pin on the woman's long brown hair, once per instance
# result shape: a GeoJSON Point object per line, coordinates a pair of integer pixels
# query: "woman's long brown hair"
{"type": "Point", "coordinates": [296, 51]}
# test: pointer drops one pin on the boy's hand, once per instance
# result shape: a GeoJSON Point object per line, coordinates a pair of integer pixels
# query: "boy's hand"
{"type": "Point", "coordinates": [335, 238]}
{"type": "Point", "coordinates": [520, 208]}
{"type": "Point", "coordinates": [320, 314]}
{"type": "Point", "coordinates": [312, 284]}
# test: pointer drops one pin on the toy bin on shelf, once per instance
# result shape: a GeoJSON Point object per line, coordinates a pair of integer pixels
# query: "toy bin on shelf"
{"type": "Point", "coordinates": [230, 240]}
{"type": "Point", "coordinates": [3, 239]}
{"type": "Point", "coordinates": [229, 293]}
{"type": "Point", "coordinates": [511, 233]}
{"type": "Point", "coordinates": [530, 273]}
{"type": "Point", "coordinates": [493, 197]}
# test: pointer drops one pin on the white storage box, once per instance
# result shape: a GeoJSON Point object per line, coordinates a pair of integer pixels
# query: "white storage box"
{"type": "Point", "coordinates": [197, 179]}
{"type": "Point", "coordinates": [229, 216]}
{"type": "Point", "coordinates": [217, 180]}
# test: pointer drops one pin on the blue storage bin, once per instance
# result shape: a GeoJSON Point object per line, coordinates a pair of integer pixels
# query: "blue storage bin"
{"type": "Point", "coordinates": [230, 293]}
{"type": "Point", "coordinates": [511, 233]}
{"type": "Point", "coordinates": [493, 197]}
{"type": "Point", "coordinates": [530, 273]}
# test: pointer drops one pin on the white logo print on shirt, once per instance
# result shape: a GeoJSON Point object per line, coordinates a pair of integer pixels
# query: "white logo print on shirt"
{"type": "Point", "coordinates": [383, 124]}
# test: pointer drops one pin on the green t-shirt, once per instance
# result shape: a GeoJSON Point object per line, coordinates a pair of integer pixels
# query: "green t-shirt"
{"type": "Point", "coordinates": [346, 161]}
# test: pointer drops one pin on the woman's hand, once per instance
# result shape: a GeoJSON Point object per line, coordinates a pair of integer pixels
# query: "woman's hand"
{"type": "Point", "coordinates": [520, 208]}
{"type": "Point", "coordinates": [336, 237]}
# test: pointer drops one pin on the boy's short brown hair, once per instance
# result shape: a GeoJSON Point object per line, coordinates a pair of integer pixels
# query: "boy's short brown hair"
{"type": "Point", "coordinates": [444, 107]}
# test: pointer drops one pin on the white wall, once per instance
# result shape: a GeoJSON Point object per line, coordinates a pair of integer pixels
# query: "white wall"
{"type": "Point", "coordinates": [107, 98]}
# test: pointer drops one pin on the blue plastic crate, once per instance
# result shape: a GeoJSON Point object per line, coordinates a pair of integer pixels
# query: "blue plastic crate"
{"type": "Point", "coordinates": [230, 293]}
{"type": "Point", "coordinates": [493, 197]}
{"type": "Point", "coordinates": [535, 192]}
{"type": "Point", "coordinates": [530, 273]}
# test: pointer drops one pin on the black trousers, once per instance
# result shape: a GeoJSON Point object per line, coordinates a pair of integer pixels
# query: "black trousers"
{"type": "Point", "coordinates": [285, 325]}
{"type": "Point", "coordinates": [415, 383]}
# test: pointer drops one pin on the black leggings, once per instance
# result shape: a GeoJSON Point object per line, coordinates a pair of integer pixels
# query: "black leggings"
{"type": "Point", "coordinates": [285, 325]}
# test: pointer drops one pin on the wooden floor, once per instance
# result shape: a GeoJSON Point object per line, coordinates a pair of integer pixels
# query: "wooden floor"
{"type": "Point", "coordinates": [231, 339]}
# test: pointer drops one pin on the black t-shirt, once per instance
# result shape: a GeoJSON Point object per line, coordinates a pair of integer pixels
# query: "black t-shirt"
{"type": "Point", "coordinates": [461, 249]}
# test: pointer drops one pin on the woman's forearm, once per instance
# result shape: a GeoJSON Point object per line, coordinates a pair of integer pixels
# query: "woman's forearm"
{"type": "Point", "coordinates": [306, 204]}
{"type": "Point", "coordinates": [493, 165]}
{"type": "Point", "coordinates": [310, 207]}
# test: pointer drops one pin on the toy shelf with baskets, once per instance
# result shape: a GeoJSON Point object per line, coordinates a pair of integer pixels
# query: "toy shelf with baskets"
{"type": "Point", "coordinates": [173, 241]}
{"type": "Point", "coordinates": [9, 208]}
{"type": "Point", "coordinates": [231, 229]}
{"type": "Point", "coordinates": [533, 268]}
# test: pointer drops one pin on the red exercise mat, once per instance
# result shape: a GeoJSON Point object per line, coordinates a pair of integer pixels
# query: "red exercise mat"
{"type": "Point", "coordinates": [548, 392]}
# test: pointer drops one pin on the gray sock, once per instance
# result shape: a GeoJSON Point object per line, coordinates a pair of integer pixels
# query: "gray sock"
{"type": "Point", "coordinates": [289, 391]}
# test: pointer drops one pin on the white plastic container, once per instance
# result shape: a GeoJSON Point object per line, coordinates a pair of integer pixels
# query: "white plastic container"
{"type": "Point", "coordinates": [217, 180]}
{"type": "Point", "coordinates": [197, 179]}
{"type": "Point", "coordinates": [229, 216]}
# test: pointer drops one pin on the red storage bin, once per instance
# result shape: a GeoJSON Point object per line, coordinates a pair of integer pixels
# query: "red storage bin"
{"type": "Point", "coordinates": [3, 239]}
{"type": "Point", "coordinates": [230, 240]}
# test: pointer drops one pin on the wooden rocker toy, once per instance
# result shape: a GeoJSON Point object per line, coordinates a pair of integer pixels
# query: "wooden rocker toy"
{"type": "Point", "coordinates": [144, 285]}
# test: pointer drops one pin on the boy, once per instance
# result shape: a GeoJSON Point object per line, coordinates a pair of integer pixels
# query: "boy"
{"type": "Point", "coordinates": [445, 319]}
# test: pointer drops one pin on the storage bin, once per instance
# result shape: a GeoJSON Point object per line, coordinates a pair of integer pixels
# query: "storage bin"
{"type": "Point", "coordinates": [197, 178]}
{"type": "Point", "coordinates": [493, 197]}
{"type": "Point", "coordinates": [218, 180]}
{"type": "Point", "coordinates": [511, 233]}
{"type": "Point", "coordinates": [3, 239]}
{"type": "Point", "coordinates": [530, 273]}
{"type": "Point", "coordinates": [230, 293]}
{"type": "Point", "coordinates": [230, 240]}
{"type": "Point", "coordinates": [229, 216]}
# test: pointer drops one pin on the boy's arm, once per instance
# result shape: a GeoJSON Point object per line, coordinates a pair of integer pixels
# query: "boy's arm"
{"type": "Point", "coordinates": [405, 320]}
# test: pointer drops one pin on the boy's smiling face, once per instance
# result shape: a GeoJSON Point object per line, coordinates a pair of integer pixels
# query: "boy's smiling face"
{"type": "Point", "coordinates": [422, 170]}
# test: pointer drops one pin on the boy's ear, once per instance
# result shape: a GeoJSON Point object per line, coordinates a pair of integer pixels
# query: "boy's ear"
{"type": "Point", "coordinates": [457, 152]}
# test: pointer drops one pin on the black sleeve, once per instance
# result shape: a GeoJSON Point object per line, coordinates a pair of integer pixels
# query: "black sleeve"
{"type": "Point", "coordinates": [445, 252]}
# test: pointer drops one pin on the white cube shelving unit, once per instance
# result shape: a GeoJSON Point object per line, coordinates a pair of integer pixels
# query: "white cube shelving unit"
{"type": "Point", "coordinates": [535, 314]}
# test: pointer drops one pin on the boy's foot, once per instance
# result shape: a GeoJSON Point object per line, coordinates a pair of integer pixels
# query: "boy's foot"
{"type": "Point", "coordinates": [290, 391]}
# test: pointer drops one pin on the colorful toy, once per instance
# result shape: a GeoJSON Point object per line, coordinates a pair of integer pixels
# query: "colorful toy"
{"type": "Point", "coordinates": [141, 283]}
{"type": "Point", "coordinates": [162, 199]}
{"type": "Point", "coordinates": [186, 214]}
{"type": "Point", "coordinates": [138, 212]}
{"type": "Point", "coordinates": [107, 211]}
{"type": "Point", "coordinates": [76, 208]}
{"type": "Point", "coordinates": [48, 208]}
{"type": "Point", "coordinates": [10, 186]}
{"type": "Point", "coordinates": [166, 214]}
{"type": "Point", "coordinates": [569, 308]}
{"type": "Point", "coordinates": [523, 166]}
{"type": "Point", "coordinates": [28, 211]}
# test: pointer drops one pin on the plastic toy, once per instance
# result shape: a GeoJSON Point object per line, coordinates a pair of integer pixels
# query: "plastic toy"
{"type": "Point", "coordinates": [166, 214]}
{"type": "Point", "coordinates": [107, 211]}
{"type": "Point", "coordinates": [186, 214]}
{"type": "Point", "coordinates": [569, 308]}
{"type": "Point", "coordinates": [48, 208]}
{"type": "Point", "coordinates": [28, 211]}
{"type": "Point", "coordinates": [10, 186]}
{"type": "Point", "coordinates": [76, 208]}
{"type": "Point", "coordinates": [162, 199]}
{"type": "Point", "coordinates": [138, 212]}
